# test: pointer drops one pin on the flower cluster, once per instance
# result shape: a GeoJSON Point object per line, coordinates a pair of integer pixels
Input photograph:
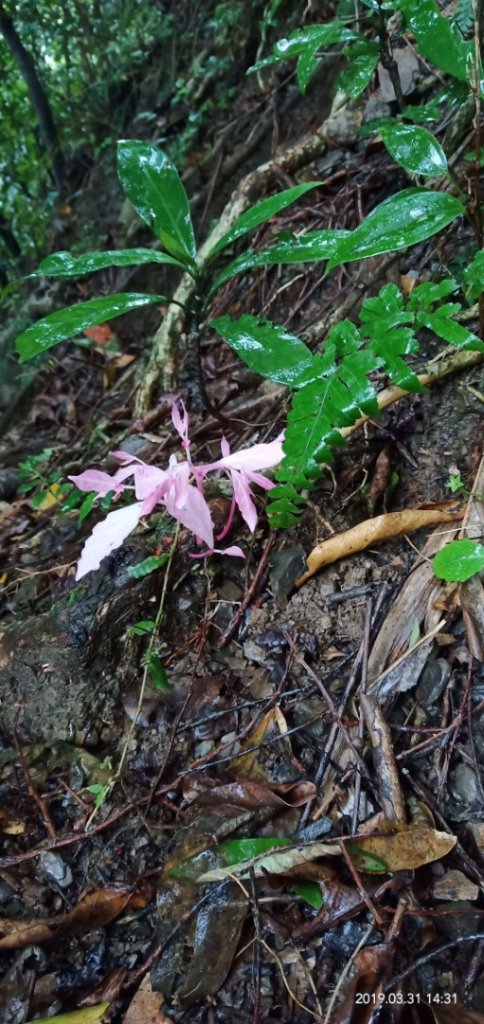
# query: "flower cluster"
{"type": "Point", "coordinates": [179, 489]}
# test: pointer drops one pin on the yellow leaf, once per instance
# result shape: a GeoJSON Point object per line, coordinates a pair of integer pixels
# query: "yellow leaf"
{"type": "Point", "coordinates": [89, 1015]}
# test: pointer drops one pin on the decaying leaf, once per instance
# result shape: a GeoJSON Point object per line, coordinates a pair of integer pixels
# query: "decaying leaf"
{"type": "Point", "coordinates": [97, 909]}
{"type": "Point", "coordinates": [249, 765]}
{"type": "Point", "coordinates": [373, 531]}
{"type": "Point", "coordinates": [146, 1006]}
{"type": "Point", "coordinates": [405, 849]}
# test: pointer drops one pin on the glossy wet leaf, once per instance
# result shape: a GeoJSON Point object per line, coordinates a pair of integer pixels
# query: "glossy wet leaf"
{"type": "Point", "coordinates": [266, 348]}
{"type": "Point", "coordinates": [363, 58]}
{"type": "Point", "coordinates": [415, 148]}
{"type": "Point", "coordinates": [405, 219]}
{"type": "Point", "coordinates": [62, 264]}
{"type": "Point", "coordinates": [315, 245]}
{"type": "Point", "coordinates": [437, 37]}
{"type": "Point", "coordinates": [151, 183]}
{"type": "Point", "coordinates": [263, 211]}
{"type": "Point", "coordinates": [67, 323]}
{"type": "Point", "coordinates": [223, 857]}
{"type": "Point", "coordinates": [459, 560]}
{"type": "Point", "coordinates": [306, 40]}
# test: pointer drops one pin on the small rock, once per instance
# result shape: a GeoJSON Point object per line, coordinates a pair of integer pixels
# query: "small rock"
{"type": "Point", "coordinates": [455, 886]}
{"type": "Point", "coordinates": [463, 784]}
{"type": "Point", "coordinates": [54, 868]}
{"type": "Point", "coordinates": [433, 682]}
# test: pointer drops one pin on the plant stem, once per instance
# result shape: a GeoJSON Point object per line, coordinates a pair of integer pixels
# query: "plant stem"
{"type": "Point", "coordinates": [388, 60]}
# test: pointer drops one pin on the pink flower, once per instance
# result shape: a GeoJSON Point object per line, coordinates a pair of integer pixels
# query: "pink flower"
{"type": "Point", "coordinates": [172, 488]}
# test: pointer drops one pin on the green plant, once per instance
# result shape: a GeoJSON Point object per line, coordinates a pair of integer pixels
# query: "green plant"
{"type": "Point", "coordinates": [332, 388]}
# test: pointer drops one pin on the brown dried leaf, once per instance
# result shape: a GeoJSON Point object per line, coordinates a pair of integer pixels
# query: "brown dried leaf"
{"type": "Point", "coordinates": [409, 847]}
{"type": "Point", "coordinates": [373, 531]}
{"type": "Point", "coordinates": [146, 1007]}
{"type": "Point", "coordinates": [230, 798]}
{"type": "Point", "coordinates": [95, 910]}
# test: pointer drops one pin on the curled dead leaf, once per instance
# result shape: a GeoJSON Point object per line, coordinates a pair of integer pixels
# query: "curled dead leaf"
{"type": "Point", "coordinates": [95, 910]}
{"type": "Point", "coordinates": [373, 531]}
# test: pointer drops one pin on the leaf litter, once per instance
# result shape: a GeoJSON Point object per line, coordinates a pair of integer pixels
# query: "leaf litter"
{"type": "Point", "coordinates": [246, 749]}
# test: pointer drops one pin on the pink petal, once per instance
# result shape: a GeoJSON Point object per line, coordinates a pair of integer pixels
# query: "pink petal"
{"type": "Point", "coordinates": [180, 423]}
{"type": "Point", "coordinates": [94, 480]}
{"type": "Point", "coordinates": [260, 456]}
{"type": "Point", "coordinates": [243, 497]}
{"type": "Point", "coordinates": [126, 457]}
{"type": "Point", "coordinates": [193, 512]}
{"type": "Point", "coordinates": [234, 551]}
{"type": "Point", "coordinates": [148, 479]}
{"type": "Point", "coordinates": [107, 536]}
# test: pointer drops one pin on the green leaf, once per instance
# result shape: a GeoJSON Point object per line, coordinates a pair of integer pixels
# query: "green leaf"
{"type": "Point", "coordinates": [442, 324]}
{"type": "Point", "coordinates": [474, 276]}
{"type": "Point", "coordinates": [62, 264]}
{"type": "Point", "coordinates": [459, 560]}
{"type": "Point", "coordinates": [309, 39]}
{"type": "Point", "coordinates": [266, 348]}
{"type": "Point", "coordinates": [142, 627]}
{"type": "Point", "coordinates": [334, 396]}
{"type": "Point", "coordinates": [310, 892]}
{"type": "Point", "coordinates": [363, 58]}
{"type": "Point", "coordinates": [426, 112]}
{"type": "Point", "coordinates": [306, 65]}
{"type": "Point", "coordinates": [87, 506]}
{"type": "Point", "coordinates": [147, 566]}
{"type": "Point", "coordinates": [402, 220]}
{"type": "Point", "coordinates": [415, 149]}
{"type": "Point", "coordinates": [157, 673]}
{"type": "Point", "coordinates": [437, 37]}
{"type": "Point", "coordinates": [316, 245]}
{"type": "Point", "coordinates": [382, 317]}
{"type": "Point", "coordinates": [152, 185]}
{"type": "Point", "coordinates": [225, 855]}
{"type": "Point", "coordinates": [66, 323]}
{"type": "Point", "coordinates": [263, 211]}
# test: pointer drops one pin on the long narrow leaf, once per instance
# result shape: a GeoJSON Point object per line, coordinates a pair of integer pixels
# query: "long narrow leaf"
{"type": "Point", "coordinates": [66, 323]}
{"type": "Point", "coordinates": [316, 245]}
{"type": "Point", "coordinates": [152, 185]}
{"type": "Point", "coordinates": [409, 217]}
{"type": "Point", "coordinates": [62, 264]}
{"type": "Point", "coordinates": [263, 211]}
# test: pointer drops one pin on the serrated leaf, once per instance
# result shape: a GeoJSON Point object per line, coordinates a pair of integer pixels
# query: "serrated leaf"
{"type": "Point", "coordinates": [424, 296]}
{"type": "Point", "coordinates": [333, 399]}
{"type": "Point", "coordinates": [67, 323]}
{"type": "Point", "coordinates": [400, 221]}
{"type": "Point", "coordinates": [442, 324]}
{"type": "Point", "coordinates": [437, 37]}
{"type": "Point", "coordinates": [474, 276]}
{"type": "Point", "coordinates": [151, 183]}
{"type": "Point", "coordinates": [263, 211]}
{"type": "Point", "coordinates": [62, 264]}
{"type": "Point", "coordinates": [459, 560]}
{"type": "Point", "coordinates": [266, 348]}
{"type": "Point", "coordinates": [363, 58]}
{"type": "Point", "coordinates": [147, 566]}
{"type": "Point", "coordinates": [316, 245]}
{"type": "Point", "coordinates": [415, 149]}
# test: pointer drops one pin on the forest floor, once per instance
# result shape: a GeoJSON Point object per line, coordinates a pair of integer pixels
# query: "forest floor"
{"type": "Point", "coordinates": [261, 734]}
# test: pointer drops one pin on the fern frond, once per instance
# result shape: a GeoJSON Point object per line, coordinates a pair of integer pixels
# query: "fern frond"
{"type": "Point", "coordinates": [464, 17]}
